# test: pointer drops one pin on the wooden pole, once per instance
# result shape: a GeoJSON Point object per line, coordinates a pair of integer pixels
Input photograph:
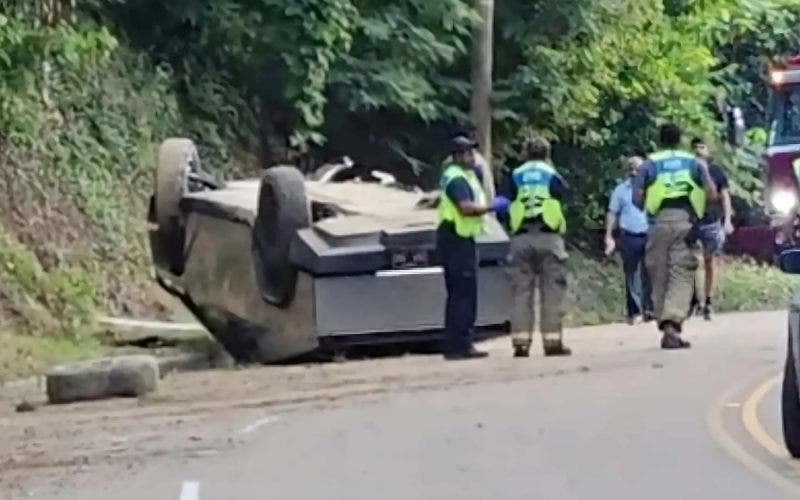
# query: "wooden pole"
{"type": "Point", "coordinates": [481, 105]}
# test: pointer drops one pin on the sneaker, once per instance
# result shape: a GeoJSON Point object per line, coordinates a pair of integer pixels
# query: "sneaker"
{"type": "Point", "coordinates": [522, 351]}
{"type": "Point", "coordinates": [648, 317]}
{"type": "Point", "coordinates": [630, 320]}
{"type": "Point", "coordinates": [471, 353]}
{"type": "Point", "coordinates": [708, 311]}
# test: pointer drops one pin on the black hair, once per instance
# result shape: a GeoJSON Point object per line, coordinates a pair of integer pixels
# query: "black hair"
{"type": "Point", "coordinates": [537, 148]}
{"type": "Point", "coordinates": [670, 135]}
{"type": "Point", "coordinates": [697, 142]}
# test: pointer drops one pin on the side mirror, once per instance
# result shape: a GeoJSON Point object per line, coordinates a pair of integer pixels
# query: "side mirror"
{"type": "Point", "coordinates": [735, 126]}
{"type": "Point", "coordinates": [789, 261]}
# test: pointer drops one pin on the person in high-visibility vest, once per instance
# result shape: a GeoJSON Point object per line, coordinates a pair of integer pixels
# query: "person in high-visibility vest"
{"type": "Point", "coordinates": [462, 211]}
{"type": "Point", "coordinates": [672, 186]}
{"type": "Point", "coordinates": [481, 165]}
{"type": "Point", "coordinates": [537, 225]}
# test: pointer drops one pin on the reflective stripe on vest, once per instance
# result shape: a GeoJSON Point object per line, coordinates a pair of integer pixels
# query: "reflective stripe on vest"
{"type": "Point", "coordinates": [674, 180]}
{"type": "Point", "coordinates": [534, 199]}
{"type": "Point", "coordinates": [466, 226]}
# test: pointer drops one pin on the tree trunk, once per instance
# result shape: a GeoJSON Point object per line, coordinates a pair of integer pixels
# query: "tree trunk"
{"type": "Point", "coordinates": [52, 12]}
{"type": "Point", "coordinates": [481, 106]}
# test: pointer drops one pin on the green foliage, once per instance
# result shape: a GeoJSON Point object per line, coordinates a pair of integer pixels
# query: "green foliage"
{"type": "Point", "coordinates": [60, 302]}
{"type": "Point", "coordinates": [83, 105]}
{"type": "Point", "coordinates": [80, 117]}
{"type": "Point", "coordinates": [596, 293]}
{"type": "Point", "coordinates": [24, 355]}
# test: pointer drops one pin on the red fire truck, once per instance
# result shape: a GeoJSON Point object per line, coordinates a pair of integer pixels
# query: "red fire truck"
{"type": "Point", "coordinates": [781, 189]}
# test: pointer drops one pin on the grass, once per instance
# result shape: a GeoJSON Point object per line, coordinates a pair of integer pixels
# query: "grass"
{"type": "Point", "coordinates": [597, 295]}
{"type": "Point", "coordinates": [25, 355]}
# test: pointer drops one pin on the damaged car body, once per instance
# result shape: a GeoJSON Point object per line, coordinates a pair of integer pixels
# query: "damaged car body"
{"type": "Point", "coordinates": [282, 265]}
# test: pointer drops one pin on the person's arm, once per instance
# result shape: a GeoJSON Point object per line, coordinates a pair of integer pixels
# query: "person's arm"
{"type": "Point", "coordinates": [611, 221]}
{"type": "Point", "coordinates": [724, 189]}
{"type": "Point", "coordinates": [705, 178]}
{"type": "Point", "coordinates": [507, 187]}
{"type": "Point", "coordinates": [460, 194]}
{"type": "Point", "coordinates": [559, 188]}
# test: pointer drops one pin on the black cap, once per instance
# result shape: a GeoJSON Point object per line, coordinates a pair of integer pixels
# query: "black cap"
{"type": "Point", "coordinates": [461, 143]}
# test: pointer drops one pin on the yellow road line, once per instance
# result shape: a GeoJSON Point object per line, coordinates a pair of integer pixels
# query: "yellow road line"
{"type": "Point", "coordinates": [715, 421]}
{"type": "Point", "coordinates": [753, 424]}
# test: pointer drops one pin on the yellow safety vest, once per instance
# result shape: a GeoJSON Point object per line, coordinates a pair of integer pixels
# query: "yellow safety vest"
{"type": "Point", "coordinates": [675, 180]}
{"type": "Point", "coordinates": [534, 199]}
{"type": "Point", "coordinates": [466, 226]}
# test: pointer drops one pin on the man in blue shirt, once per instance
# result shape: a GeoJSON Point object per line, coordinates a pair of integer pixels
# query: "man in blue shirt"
{"type": "Point", "coordinates": [633, 226]}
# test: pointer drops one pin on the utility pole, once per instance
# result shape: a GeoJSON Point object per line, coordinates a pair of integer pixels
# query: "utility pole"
{"type": "Point", "coordinates": [481, 105]}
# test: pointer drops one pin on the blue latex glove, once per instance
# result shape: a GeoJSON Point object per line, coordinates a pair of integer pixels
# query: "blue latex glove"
{"type": "Point", "coordinates": [500, 204]}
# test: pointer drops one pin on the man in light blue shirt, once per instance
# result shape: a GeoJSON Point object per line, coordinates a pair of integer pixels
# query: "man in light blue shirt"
{"type": "Point", "coordinates": [633, 226]}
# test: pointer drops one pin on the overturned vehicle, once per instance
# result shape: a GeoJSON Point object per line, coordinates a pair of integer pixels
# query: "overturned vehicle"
{"type": "Point", "coordinates": [281, 266]}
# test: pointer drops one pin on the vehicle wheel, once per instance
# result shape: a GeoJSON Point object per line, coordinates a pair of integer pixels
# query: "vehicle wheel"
{"type": "Point", "coordinates": [790, 406]}
{"type": "Point", "coordinates": [282, 210]}
{"type": "Point", "coordinates": [176, 158]}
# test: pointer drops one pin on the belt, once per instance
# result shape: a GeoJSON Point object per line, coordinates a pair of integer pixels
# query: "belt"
{"type": "Point", "coordinates": [634, 235]}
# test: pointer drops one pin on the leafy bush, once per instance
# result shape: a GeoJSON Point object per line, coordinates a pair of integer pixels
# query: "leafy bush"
{"type": "Point", "coordinates": [80, 118]}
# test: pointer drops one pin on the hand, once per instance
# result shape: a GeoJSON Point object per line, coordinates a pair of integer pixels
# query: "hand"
{"type": "Point", "coordinates": [500, 204]}
{"type": "Point", "coordinates": [610, 245]}
{"type": "Point", "coordinates": [728, 226]}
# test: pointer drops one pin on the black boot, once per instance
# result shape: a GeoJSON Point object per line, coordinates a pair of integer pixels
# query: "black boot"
{"type": "Point", "coordinates": [470, 353]}
{"type": "Point", "coordinates": [522, 350]}
{"type": "Point", "coordinates": [672, 337]}
{"type": "Point", "coordinates": [708, 310]}
{"type": "Point", "coordinates": [556, 348]}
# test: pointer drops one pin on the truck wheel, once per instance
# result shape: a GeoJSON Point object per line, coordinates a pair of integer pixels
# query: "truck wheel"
{"type": "Point", "coordinates": [176, 158]}
{"type": "Point", "coordinates": [790, 406]}
{"type": "Point", "coordinates": [282, 211]}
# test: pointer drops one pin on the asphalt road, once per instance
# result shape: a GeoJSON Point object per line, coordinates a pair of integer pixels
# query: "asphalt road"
{"type": "Point", "coordinates": [623, 419]}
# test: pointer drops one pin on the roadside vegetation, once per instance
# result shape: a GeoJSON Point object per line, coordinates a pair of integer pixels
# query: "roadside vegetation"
{"type": "Point", "coordinates": [87, 93]}
{"type": "Point", "coordinates": [596, 292]}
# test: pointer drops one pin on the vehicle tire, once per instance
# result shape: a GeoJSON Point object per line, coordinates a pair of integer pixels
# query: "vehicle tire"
{"type": "Point", "coordinates": [790, 406]}
{"type": "Point", "coordinates": [124, 376]}
{"type": "Point", "coordinates": [282, 211]}
{"type": "Point", "coordinates": [176, 158]}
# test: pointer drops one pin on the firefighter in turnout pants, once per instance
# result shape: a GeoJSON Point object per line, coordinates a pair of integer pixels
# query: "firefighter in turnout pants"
{"type": "Point", "coordinates": [462, 209]}
{"type": "Point", "coordinates": [672, 186]}
{"type": "Point", "coordinates": [537, 225]}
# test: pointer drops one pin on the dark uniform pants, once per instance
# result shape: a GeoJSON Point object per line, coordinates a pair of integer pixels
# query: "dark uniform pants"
{"type": "Point", "coordinates": [637, 280]}
{"type": "Point", "coordinates": [671, 262]}
{"type": "Point", "coordinates": [459, 259]}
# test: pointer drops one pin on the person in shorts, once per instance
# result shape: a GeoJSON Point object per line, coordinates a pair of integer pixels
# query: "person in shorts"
{"type": "Point", "coordinates": [713, 229]}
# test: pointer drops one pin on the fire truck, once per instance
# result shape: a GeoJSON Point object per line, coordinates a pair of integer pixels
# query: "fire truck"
{"type": "Point", "coordinates": [783, 143]}
{"type": "Point", "coordinates": [781, 189]}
